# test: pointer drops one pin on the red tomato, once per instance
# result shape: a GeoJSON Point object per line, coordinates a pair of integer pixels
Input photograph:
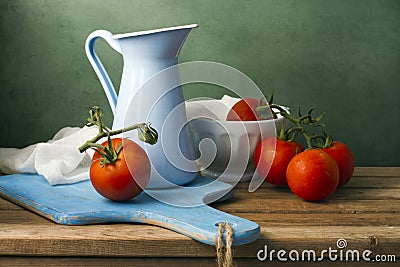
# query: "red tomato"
{"type": "Point", "coordinates": [312, 175]}
{"type": "Point", "coordinates": [278, 152]}
{"type": "Point", "coordinates": [124, 179]}
{"type": "Point", "coordinates": [344, 159]}
{"type": "Point", "coordinates": [244, 110]}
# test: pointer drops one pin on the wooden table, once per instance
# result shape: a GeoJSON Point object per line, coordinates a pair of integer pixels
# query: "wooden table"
{"type": "Point", "coordinates": [365, 213]}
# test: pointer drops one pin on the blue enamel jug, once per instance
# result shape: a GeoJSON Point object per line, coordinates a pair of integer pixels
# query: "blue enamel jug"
{"type": "Point", "coordinates": [150, 91]}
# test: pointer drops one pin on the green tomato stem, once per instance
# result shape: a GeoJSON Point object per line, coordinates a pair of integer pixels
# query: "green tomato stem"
{"type": "Point", "coordinates": [146, 133]}
{"type": "Point", "coordinates": [92, 142]}
{"type": "Point", "coordinates": [300, 122]}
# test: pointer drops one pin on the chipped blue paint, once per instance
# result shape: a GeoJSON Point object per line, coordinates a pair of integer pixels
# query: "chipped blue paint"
{"type": "Point", "coordinates": [80, 204]}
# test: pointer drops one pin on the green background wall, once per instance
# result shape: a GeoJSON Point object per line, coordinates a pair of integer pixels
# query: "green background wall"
{"type": "Point", "coordinates": [342, 57]}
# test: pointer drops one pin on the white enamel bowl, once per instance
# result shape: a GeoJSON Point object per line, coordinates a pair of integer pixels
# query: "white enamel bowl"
{"type": "Point", "coordinates": [225, 149]}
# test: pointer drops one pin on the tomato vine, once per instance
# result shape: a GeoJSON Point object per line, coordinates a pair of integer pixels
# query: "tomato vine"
{"type": "Point", "coordinates": [146, 133]}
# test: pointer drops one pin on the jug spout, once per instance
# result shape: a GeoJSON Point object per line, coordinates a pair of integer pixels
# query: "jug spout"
{"type": "Point", "coordinates": [161, 43]}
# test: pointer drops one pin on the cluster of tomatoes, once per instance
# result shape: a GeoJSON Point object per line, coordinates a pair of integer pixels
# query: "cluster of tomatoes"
{"type": "Point", "coordinates": [314, 173]}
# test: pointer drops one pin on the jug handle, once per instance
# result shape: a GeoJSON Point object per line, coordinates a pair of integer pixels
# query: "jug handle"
{"type": "Point", "coordinates": [98, 66]}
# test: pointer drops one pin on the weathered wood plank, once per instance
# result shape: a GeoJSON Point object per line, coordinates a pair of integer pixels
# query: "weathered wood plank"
{"type": "Point", "coordinates": [377, 171]}
{"type": "Point", "coordinates": [318, 219]}
{"type": "Point", "coordinates": [131, 240]}
{"type": "Point", "coordinates": [7, 205]}
{"type": "Point", "coordinates": [373, 182]}
{"type": "Point", "coordinates": [144, 241]}
{"type": "Point", "coordinates": [295, 205]}
{"type": "Point", "coordinates": [341, 193]}
{"type": "Point", "coordinates": [355, 182]}
{"type": "Point", "coordinates": [19, 217]}
{"type": "Point", "coordinates": [380, 240]}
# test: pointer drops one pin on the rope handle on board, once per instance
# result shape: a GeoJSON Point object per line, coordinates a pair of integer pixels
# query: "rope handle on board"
{"type": "Point", "coordinates": [224, 253]}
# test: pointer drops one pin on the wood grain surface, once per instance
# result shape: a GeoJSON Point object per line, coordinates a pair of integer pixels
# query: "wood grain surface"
{"type": "Point", "coordinates": [365, 213]}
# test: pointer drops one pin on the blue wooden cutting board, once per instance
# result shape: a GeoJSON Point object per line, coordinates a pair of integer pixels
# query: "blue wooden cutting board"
{"type": "Point", "coordinates": [80, 204]}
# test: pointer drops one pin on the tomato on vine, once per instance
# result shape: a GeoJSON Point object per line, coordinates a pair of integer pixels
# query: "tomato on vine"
{"type": "Point", "coordinates": [341, 153]}
{"type": "Point", "coordinates": [250, 109]}
{"type": "Point", "coordinates": [243, 110]}
{"type": "Point", "coordinates": [126, 177]}
{"type": "Point", "coordinates": [120, 168]}
{"type": "Point", "coordinates": [315, 173]}
{"type": "Point", "coordinates": [272, 156]}
{"type": "Point", "coordinates": [312, 175]}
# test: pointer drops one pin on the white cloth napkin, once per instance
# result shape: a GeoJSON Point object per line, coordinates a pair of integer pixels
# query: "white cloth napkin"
{"type": "Point", "coordinates": [58, 160]}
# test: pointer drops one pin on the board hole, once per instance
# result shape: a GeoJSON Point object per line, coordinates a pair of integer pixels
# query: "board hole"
{"type": "Point", "coordinates": [231, 224]}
